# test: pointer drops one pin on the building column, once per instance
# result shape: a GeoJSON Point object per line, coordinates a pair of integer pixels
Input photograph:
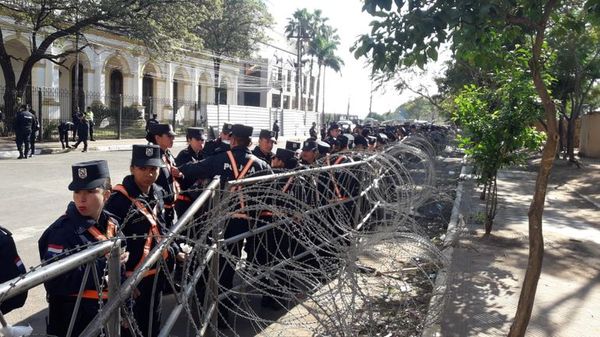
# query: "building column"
{"type": "Point", "coordinates": [136, 83]}
{"type": "Point", "coordinates": [99, 79]}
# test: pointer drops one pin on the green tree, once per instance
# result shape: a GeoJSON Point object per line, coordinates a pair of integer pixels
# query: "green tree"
{"type": "Point", "coordinates": [233, 28]}
{"type": "Point", "coordinates": [406, 33]}
{"type": "Point", "coordinates": [576, 44]}
{"type": "Point", "coordinates": [159, 24]}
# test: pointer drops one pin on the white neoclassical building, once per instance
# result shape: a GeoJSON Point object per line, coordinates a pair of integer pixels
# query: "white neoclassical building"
{"type": "Point", "coordinates": [114, 70]}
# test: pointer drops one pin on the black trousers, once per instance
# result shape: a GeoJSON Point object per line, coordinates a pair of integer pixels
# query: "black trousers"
{"type": "Point", "coordinates": [227, 261]}
{"type": "Point", "coordinates": [64, 138]}
{"type": "Point", "coordinates": [23, 138]}
{"type": "Point", "coordinates": [32, 142]}
{"type": "Point", "coordinates": [84, 143]}
{"type": "Point", "coordinates": [91, 131]}
{"type": "Point", "coordinates": [144, 311]}
{"type": "Point", "coordinates": [60, 310]}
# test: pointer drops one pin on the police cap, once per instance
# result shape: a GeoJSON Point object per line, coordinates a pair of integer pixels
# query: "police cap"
{"type": "Point", "coordinates": [146, 155]}
{"type": "Point", "coordinates": [360, 140]}
{"type": "Point", "coordinates": [334, 126]}
{"type": "Point", "coordinates": [197, 133]}
{"type": "Point", "coordinates": [267, 134]}
{"type": "Point", "coordinates": [226, 128]}
{"type": "Point", "coordinates": [309, 145]}
{"type": "Point", "coordinates": [161, 129]}
{"type": "Point", "coordinates": [89, 175]}
{"type": "Point", "coordinates": [284, 154]}
{"type": "Point", "coordinates": [323, 147]}
{"type": "Point", "coordinates": [292, 146]}
{"type": "Point", "coordinates": [240, 130]}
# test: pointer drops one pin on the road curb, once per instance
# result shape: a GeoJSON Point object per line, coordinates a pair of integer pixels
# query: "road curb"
{"type": "Point", "coordinates": [432, 325]}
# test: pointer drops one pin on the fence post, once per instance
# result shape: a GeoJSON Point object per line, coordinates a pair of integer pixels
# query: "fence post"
{"type": "Point", "coordinates": [174, 113]}
{"type": "Point", "coordinates": [213, 281]}
{"type": "Point", "coordinates": [114, 282]}
{"type": "Point", "coordinates": [41, 114]}
{"type": "Point", "coordinates": [120, 124]}
{"type": "Point", "coordinates": [195, 114]}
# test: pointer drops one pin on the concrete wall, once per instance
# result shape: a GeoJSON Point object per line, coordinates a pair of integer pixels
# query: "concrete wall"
{"type": "Point", "coordinates": [590, 135]}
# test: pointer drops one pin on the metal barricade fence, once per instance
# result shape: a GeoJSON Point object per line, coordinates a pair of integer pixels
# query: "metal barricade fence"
{"type": "Point", "coordinates": [370, 204]}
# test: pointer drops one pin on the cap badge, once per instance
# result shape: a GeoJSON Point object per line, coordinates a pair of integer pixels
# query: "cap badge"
{"type": "Point", "coordinates": [149, 152]}
{"type": "Point", "coordinates": [82, 173]}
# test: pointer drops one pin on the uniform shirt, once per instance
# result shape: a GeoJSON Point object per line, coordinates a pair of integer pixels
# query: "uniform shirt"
{"type": "Point", "coordinates": [188, 155]}
{"type": "Point", "coordinates": [259, 154]}
{"type": "Point", "coordinates": [83, 129]}
{"type": "Point", "coordinates": [24, 121]}
{"type": "Point", "coordinates": [165, 179]}
{"type": "Point", "coordinates": [11, 266]}
{"type": "Point", "coordinates": [215, 146]}
{"type": "Point", "coordinates": [219, 165]}
{"type": "Point", "coordinates": [133, 221]}
{"type": "Point", "coordinates": [330, 140]}
{"type": "Point", "coordinates": [66, 236]}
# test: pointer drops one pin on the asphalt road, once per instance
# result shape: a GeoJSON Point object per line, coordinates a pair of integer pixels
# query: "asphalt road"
{"type": "Point", "coordinates": [34, 194]}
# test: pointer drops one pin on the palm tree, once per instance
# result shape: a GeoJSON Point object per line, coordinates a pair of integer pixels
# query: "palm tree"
{"type": "Point", "coordinates": [335, 63]}
{"type": "Point", "coordinates": [324, 47]}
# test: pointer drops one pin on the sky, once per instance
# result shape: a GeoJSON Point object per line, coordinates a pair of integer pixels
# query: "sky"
{"type": "Point", "coordinates": [353, 84]}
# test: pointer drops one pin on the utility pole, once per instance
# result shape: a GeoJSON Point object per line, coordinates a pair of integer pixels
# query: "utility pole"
{"type": "Point", "coordinates": [371, 98]}
{"type": "Point", "coordinates": [299, 68]}
{"type": "Point", "coordinates": [76, 87]}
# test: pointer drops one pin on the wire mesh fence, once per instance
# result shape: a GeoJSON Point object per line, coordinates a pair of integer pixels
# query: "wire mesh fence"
{"type": "Point", "coordinates": [325, 250]}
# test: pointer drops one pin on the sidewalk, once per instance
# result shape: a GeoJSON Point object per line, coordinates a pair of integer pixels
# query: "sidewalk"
{"type": "Point", "coordinates": [486, 274]}
{"type": "Point", "coordinates": [8, 149]}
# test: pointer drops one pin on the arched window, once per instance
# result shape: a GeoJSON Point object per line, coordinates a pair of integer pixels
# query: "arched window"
{"type": "Point", "coordinates": [116, 88]}
{"type": "Point", "coordinates": [148, 94]}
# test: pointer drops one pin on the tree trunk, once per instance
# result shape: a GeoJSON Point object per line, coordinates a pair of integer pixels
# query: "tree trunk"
{"type": "Point", "coordinates": [536, 209]}
{"type": "Point", "coordinates": [318, 88]}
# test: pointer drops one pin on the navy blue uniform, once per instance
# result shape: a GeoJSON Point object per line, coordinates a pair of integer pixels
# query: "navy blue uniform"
{"type": "Point", "coordinates": [11, 267]}
{"type": "Point", "coordinates": [213, 147]}
{"type": "Point", "coordinates": [136, 227]}
{"type": "Point", "coordinates": [83, 129]}
{"type": "Point", "coordinates": [70, 233]}
{"type": "Point", "coordinates": [169, 184]}
{"type": "Point", "coordinates": [24, 123]}
{"type": "Point", "coordinates": [221, 165]}
{"type": "Point", "coordinates": [189, 192]}
{"type": "Point", "coordinates": [259, 154]}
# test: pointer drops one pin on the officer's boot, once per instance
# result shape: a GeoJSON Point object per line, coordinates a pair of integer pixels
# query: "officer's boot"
{"type": "Point", "coordinates": [20, 148]}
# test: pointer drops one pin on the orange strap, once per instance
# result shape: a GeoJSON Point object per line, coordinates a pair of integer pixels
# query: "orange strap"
{"type": "Point", "coordinates": [287, 184]}
{"type": "Point", "coordinates": [92, 295]}
{"type": "Point", "coordinates": [110, 232]}
{"type": "Point", "coordinates": [170, 164]}
{"type": "Point", "coordinates": [153, 233]}
{"type": "Point", "coordinates": [239, 175]}
{"type": "Point", "coordinates": [338, 193]}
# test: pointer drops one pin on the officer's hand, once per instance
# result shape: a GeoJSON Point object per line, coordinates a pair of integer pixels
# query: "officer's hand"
{"type": "Point", "coordinates": [136, 293]}
{"type": "Point", "coordinates": [181, 256]}
{"type": "Point", "coordinates": [175, 172]}
{"type": "Point", "coordinates": [124, 257]}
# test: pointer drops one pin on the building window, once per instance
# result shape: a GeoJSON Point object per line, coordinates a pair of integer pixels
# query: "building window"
{"type": "Point", "coordinates": [276, 101]}
{"type": "Point", "coordinates": [251, 70]}
{"type": "Point", "coordinates": [116, 89]}
{"type": "Point", "coordinates": [221, 95]}
{"type": "Point", "coordinates": [289, 81]}
{"type": "Point", "coordinates": [252, 98]}
{"type": "Point", "coordinates": [147, 94]}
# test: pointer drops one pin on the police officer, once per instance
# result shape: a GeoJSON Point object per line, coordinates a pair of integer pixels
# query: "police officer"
{"type": "Point", "coordinates": [323, 149]}
{"type": "Point", "coordinates": [293, 146]}
{"type": "Point", "coordinates": [23, 127]}
{"type": "Point", "coordinates": [313, 131]}
{"type": "Point", "coordinates": [163, 136]}
{"type": "Point", "coordinates": [151, 121]}
{"type": "Point", "coordinates": [230, 165]}
{"type": "Point", "coordinates": [264, 149]}
{"type": "Point", "coordinates": [221, 144]}
{"type": "Point", "coordinates": [332, 133]}
{"type": "Point", "coordinates": [34, 131]}
{"type": "Point", "coordinates": [284, 159]}
{"type": "Point", "coordinates": [138, 204]}
{"type": "Point", "coordinates": [195, 138]}
{"type": "Point", "coordinates": [84, 223]}
{"type": "Point", "coordinates": [83, 129]}
{"type": "Point", "coordinates": [193, 153]}
{"type": "Point", "coordinates": [89, 117]}
{"type": "Point", "coordinates": [11, 267]}
{"type": "Point", "coordinates": [309, 153]}
{"type": "Point", "coordinates": [63, 133]}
